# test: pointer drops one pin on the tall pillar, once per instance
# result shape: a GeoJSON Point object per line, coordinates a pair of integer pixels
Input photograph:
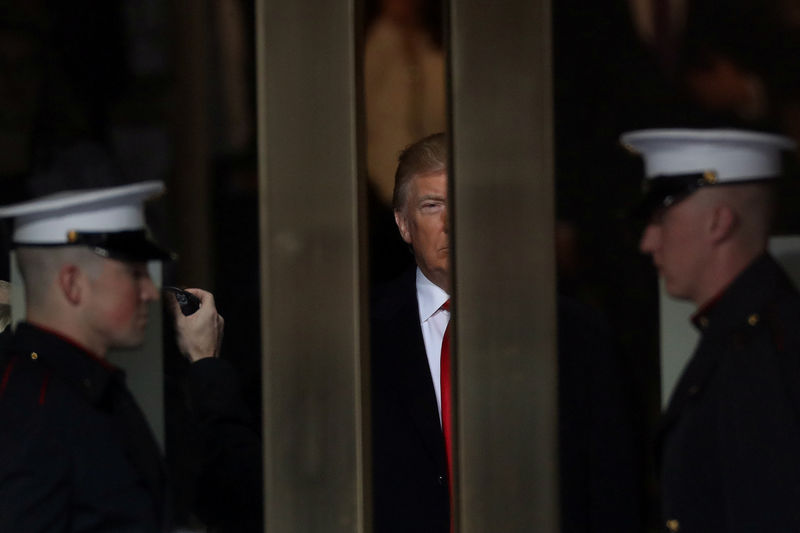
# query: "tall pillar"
{"type": "Point", "coordinates": [502, 211]}
{"type": "Point", "coordinates": [311, 267]}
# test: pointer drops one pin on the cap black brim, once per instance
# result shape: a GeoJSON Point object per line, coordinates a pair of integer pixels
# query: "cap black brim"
{"type": "Point", "coordinates": [133, 245]}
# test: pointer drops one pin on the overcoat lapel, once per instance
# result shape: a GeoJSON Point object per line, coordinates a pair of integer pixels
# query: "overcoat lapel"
{"type": "Point", "coordinates": [411, 363]}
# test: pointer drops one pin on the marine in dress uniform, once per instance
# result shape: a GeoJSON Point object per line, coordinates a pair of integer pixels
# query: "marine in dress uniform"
{"type": "Point", "coordinates": [729, 439]}
{"type": "Point", "coordinates": [76, 453]}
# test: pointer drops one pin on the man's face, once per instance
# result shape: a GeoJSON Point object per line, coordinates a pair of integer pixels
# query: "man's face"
{"type": "Point", "coordinates": [423, 225]}
{"type": "Point", "coordinates": [117, 303]}
{"type": "Point", "coordinates": [674, 238]}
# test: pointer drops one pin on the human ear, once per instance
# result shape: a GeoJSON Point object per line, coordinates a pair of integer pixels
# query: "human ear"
{"type": "Point", "coordinates": [402, 225]}
{"type": "Point", "coordinates": [722, 222]}
{"type": "Point", "coordinates": [70, 283]}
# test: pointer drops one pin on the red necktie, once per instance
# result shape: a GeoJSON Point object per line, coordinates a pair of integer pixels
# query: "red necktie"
{"type": "Point", "coordinates": [445, 382]}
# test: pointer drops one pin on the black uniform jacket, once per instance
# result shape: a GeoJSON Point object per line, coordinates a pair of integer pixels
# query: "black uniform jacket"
{"type": "Point", "coordinates": [409, 463]}
{"type": "Point", "coordinates": [730, 441]}
{"type": "Point", "coordinates": [75, 451]}
{"type": "Point", "coordinates": [228, 482]}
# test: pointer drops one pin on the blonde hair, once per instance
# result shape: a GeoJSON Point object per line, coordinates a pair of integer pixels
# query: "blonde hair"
{"type": "Point", "coordinates": [426, 156]}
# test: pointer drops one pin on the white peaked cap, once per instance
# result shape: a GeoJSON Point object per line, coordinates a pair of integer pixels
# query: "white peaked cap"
{"type": "Point", "coordinates": [731, 155]}
{"type": "Point", "coordinates": [111, 220]}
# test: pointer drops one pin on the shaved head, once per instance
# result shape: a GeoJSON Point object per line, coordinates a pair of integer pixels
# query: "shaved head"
{"type": "Point", "coordinates": [39, 267]}
{"type": "Point", "coordinates": [753, 205]}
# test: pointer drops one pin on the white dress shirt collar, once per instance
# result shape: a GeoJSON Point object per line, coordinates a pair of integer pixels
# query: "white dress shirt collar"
{"type": "Point", "coordinates": [430, 296]}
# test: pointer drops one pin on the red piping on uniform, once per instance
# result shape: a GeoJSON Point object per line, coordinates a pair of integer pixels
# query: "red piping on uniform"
{"type": "Point", "coordinates": [43, 390]}
{"type": "Point", "coordinates": [6, 375]}
{"type": "Point", "coordinates": [105, 364]}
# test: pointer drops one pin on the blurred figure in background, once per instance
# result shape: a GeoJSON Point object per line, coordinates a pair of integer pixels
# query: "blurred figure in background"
{"type": "Point", "coordinates": [404, 93]}
{"type": "Point", "coordinates": [735, 63]}
{"type": "Point", "coordinates": [403, 87]}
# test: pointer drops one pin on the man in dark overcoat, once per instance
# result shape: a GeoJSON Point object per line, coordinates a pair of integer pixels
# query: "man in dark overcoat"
{"type": "Point", "coordinates": [730, 436]}
{"type": "Point", "coordinates": [409, 319]}
{"type": "Point", "coordinates": [76, 453]}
